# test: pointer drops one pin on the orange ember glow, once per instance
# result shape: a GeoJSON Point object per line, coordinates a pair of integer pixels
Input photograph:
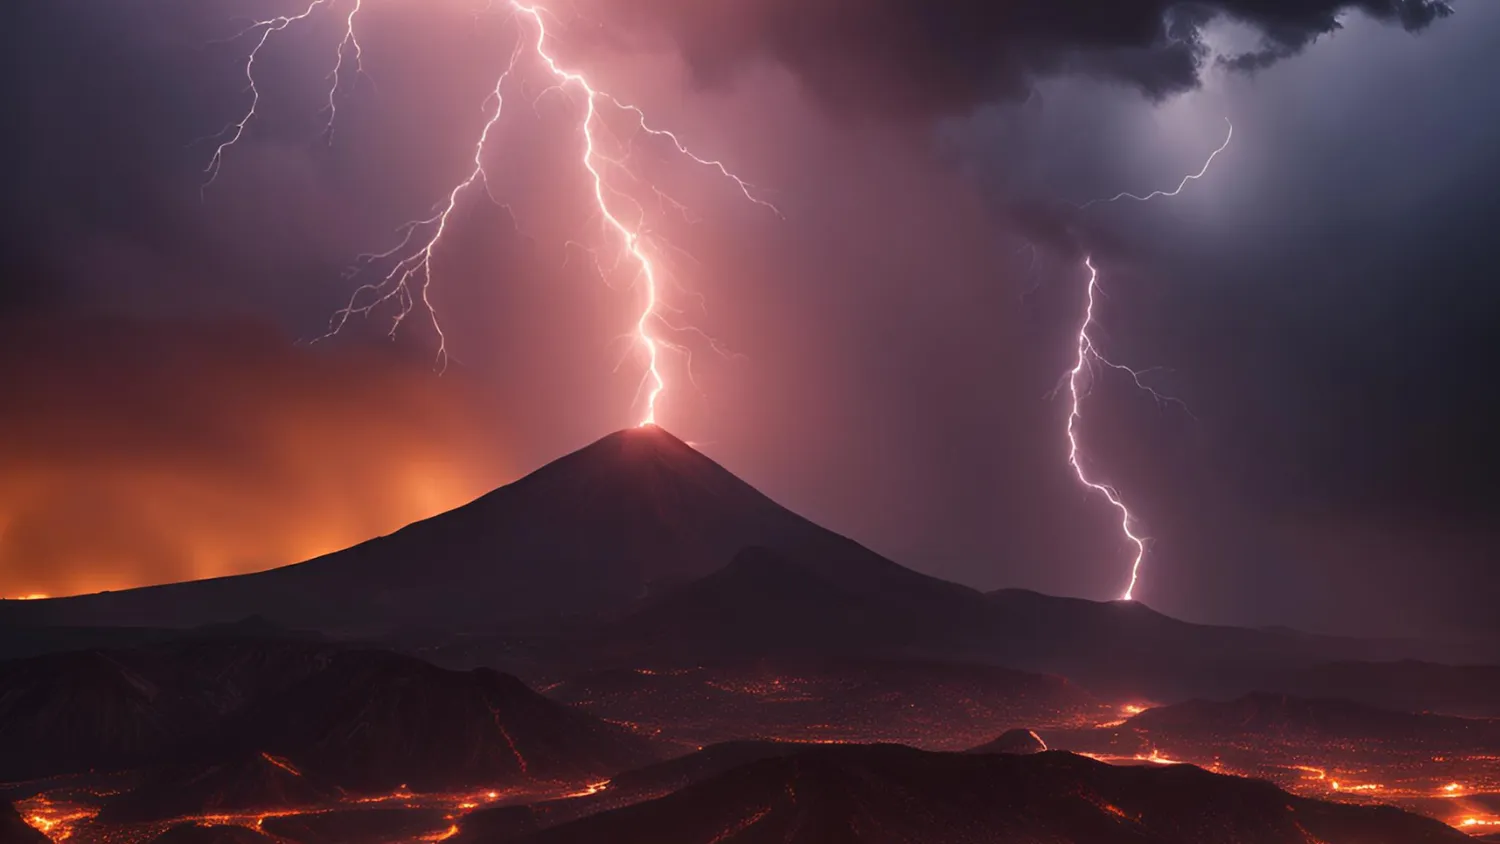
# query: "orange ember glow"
{"type": "Point", "coordinates": [740, 827]}
{"type": "Point", "coordinates": [588, 790]}
{"type": "Point", "coordinates": [61, 817]}
{"type": "Point", "coordinates": [1318, 774]}
{"type": "Point", "coordinates": [1156, 758]}
{"type": "Point", "coordinates": [125, 465]}
{"type": "Point", "coordinates": [58, 821]}
{"type": "Point", "coordinates": [282, 764]}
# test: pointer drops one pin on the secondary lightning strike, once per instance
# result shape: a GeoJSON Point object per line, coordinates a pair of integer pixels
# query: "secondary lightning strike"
{"type": "Point", "coordinates": [1180, 186]}
{"type": "Point", "coordinates": [414, 264]}
{"type": "Point", "coordinates": [350, 42]}
{"type": "Point", "coordinates": [410, 277]}
{"type": "Point", "coordinates": [1089, 355]}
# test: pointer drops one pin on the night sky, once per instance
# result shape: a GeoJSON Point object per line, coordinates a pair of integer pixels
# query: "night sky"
{"type": "Point", "coordinates": [1321, 300]}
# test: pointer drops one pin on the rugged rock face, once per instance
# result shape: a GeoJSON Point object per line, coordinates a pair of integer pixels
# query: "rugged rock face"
{"type": "Point", "coordinates": [1279, 716]}
{"type": "Point", "coordinates": [242, 725]}
{"type": "Point", "coordinates": [885, 794]}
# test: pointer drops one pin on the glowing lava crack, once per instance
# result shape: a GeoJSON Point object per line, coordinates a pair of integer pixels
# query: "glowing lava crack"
{"type": "Point", "coordinates": [408, 280]}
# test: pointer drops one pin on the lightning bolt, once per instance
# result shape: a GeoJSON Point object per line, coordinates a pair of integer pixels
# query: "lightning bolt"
{"type": "Point", "coordinates": [349, 44]}
{"type": "Point", "coordinates": [1157, 194]}
{"type": "Point", "coordinates": [236, 130]}
{"type": "Point", "coordinates": [1089, 357]}
{"type": "Point", "coordinates": [408, 278]}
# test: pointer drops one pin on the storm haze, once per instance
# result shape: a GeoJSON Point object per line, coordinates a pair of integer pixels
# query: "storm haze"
{"type": "Point", "coordinates": [892, 342]}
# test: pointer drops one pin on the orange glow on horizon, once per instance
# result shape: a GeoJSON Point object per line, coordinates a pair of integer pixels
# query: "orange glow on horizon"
{"type": "Point", "coordinates": [257, 454]}
{"type": "Point", "coordinates": [271, 533]}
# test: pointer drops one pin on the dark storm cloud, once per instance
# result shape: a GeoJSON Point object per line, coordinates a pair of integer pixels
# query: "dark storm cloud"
{"type": "Point", "coordinates": [897, 347]}
{"type": "Point", "coordinates": [899, 56]}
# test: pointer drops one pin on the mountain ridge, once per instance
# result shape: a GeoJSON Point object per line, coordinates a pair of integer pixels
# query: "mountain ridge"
{"type": "Point", "coordinates": [589, 531]}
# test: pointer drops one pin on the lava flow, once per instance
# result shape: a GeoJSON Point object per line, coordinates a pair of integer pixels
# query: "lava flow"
{"type": "Point", "coordinates": [408, 280]}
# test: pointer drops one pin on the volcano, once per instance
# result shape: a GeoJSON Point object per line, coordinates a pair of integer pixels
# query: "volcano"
{"type": "Point", "coordinates": [640, 550]}
{"type": "Point", "coordinates": [593, 531]}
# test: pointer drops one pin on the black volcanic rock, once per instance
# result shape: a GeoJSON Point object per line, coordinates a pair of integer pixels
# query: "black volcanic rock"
{"type": "Point", "coordinates": [79, 711]}
{"type": "Point", "coordinates": [935, 704]}
{"type": "Point", "coordinates": [360, 826]}
{"type": "Point", "coordinates": [1018, 741]}
{"type": "Point", "coordinates": [192, 833]}
{"type": "Point", "coordinates": [110, 710]}
{"type": "Point", "coordinates": [880, 794]}
{"type": "Point", "coordinates": [225, 724]}
{"type": "Point", "coordinates": [373, 721]}
{"type": "Point", "coordinates": [1406, 685]}
{"type": "Point", "coordinates": [15, 830]}
{"type": "Point", "coordinates": [763, 603]}
{"type": "Point", "coordinates": [1285, 717]}
{"type": "Point", "coordinates": [251, 783]}
{"type": "Point", "coordinates": [637, 786]}
{"type": "Point", "coordinates": [591, 530]}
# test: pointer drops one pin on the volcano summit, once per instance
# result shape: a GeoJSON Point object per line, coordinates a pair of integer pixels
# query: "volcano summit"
{"type": "Point", "coordinates": [634, 512]}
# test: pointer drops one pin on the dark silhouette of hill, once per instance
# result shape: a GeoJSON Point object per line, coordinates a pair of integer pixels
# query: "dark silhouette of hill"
{"type": "Point", "coordinates": [229, 723]}
{"type": "Point", "coordinates": [360, 826]}
{"type": "Point", "coordinates": [1302, 743]}
{"type": "Point", "coordinates": [246, 784]}
{"type": "Point", "coordinates": [109, 710]}
{"type": "Point", "coordinates": [592, 530]}
{"type": "Point", "coordinates": [1128, 649]}
{"type": "Point", "coordinates": [1406, 685]}
{"type": "Point", "coordinates": [193, 833]}
{"type": "Point", "coordinates": [1018, 742]}
{"type": "Point", "coordinates": [1292, 718]}
{"type": "Point", "coordinates": [629, 788]}
{"type": "Point", "coordinates": [764, 603]}
{"type": "Point", "coordinates": [926, 703]}
{"type": "Point", "coordinates": [15, 830]}
{"type": "Point", "coordinates": [22, 642]}
{"type": "Point", "coordinates": [878, 794]}
{"type": "Point", "coordinates": [373, 721]}
{"type": "Point", "coordinates": [639, 549]}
